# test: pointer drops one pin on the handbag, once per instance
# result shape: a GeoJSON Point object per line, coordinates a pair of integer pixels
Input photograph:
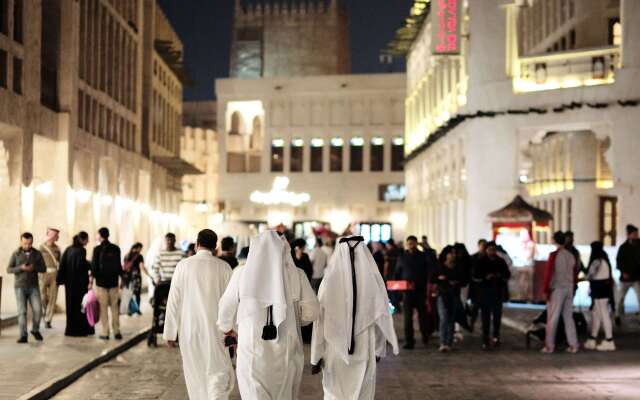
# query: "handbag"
{"type": "Point", "coordinates": [128, 264]}
{"type": "Point", "coordinates": [269, 331]}
{"type": "Point", "coordinates": [134, 308]}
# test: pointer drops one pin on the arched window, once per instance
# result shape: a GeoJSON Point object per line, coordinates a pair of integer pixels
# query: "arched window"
{"type": "Point", "coordinates": [256, 134]}
{"type": "Point", "coordinates": [236, 122]}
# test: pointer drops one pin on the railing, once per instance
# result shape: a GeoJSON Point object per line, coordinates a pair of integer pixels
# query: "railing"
{"type": "Point", "coordinates": [566, 69]}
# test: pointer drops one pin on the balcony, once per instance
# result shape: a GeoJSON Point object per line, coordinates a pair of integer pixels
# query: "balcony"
{"type": "Point", "coordinates": [567, 69]}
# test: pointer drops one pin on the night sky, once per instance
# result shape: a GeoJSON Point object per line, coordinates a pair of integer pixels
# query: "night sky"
{"type": "Point", "coordinates": [205, 29]}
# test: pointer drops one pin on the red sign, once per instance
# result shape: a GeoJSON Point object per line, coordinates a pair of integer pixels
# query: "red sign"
{"type": "Point", "coordinates": [446, 19]}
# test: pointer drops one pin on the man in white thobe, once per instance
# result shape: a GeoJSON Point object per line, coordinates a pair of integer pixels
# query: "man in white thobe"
{"type": "Point", "coordinates": [196, 288]}
{"type": "Point", "coordinates": [268, 291]}
{"type": "Point", "coordinates": [355, 324]}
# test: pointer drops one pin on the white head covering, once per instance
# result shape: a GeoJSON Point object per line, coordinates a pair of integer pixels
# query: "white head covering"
{"type": "Point", "coordinates": [265, 280]}
{"type": "Point", "coordinates": [336, 298]}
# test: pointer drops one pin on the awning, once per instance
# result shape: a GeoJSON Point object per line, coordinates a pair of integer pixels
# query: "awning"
{"type": "Point", "coordinates": [520, 211]}
{"type": "Point", "coordinates": [177, 166]}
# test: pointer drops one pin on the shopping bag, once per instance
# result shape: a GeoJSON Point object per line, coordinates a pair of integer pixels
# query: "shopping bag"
{"type": "Point", "coordinates": [399, 286]}
{"type": "Point", "coordinates": [134, 308]}
{"type": "Point", "coordinates": [91, 307]}
{"type": "Point", "coordinates": [125, 297]}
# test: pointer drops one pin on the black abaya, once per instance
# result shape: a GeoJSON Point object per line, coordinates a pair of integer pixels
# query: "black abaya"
{"type": "Point", "coordinates": [74, 275]}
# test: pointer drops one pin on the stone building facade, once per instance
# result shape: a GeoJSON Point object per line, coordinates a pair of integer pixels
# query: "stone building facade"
{"type": "Point", "coordinates": [541, 101]}
{"type": "Point", "coordinates": [77, 151]}
{"type": "Point", "coordinates": [281, 38]}
{"type": "Point", "coordinates": [337, 139]}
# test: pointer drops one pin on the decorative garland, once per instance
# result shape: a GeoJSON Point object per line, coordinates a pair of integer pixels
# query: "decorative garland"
{"type": "Point", "coordinates": [460, 118]}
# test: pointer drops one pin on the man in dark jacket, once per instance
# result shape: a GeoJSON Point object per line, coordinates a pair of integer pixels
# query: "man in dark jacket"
{"type": "Point", "coordinates": [106, 269]}
{"type": "Point", "coordinates": [491, 275]}
{"type": "Point", "coordinates": [26, 263]}
{"type": "Point", "coordinates": [628, 262]}
{"type": "Point", "coordinates": [413, 267]}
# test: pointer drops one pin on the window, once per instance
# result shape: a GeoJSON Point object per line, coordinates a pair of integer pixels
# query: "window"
{"type": "Point", "coordinates": [608, 217]}
{"type": "Point", "coordinates": [397, 154]}
{"type": "Point", "coordinates": [335, 154]}
{"type": "Point", "coordinates": [3, 68]}
{"type": "Point", "coordinates": [17, 75]}
{"type": "Point", "coordinates": [615, 32]}
{"type": "Point", "coordinates": [317, 146]}
{"type": "Point", "coordinates": [277, 155]}
{"type": "Point", "coordinates": [297, 150]}
{"type": "Point", "coordinates": [17, 20]}
{"type": "Point", "coordinates": [377, 154]}
{"type": "Point", "coordinates": [356, 154]}
{"type": "Point", "coordinates": [4, 16]}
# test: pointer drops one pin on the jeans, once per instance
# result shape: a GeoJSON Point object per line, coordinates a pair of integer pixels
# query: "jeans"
{"type": "Point", "coordinates": [560, 304]}
{"type": "Point", "coordinates": [447, 313]}
{"type": "Point", "coordinates": [622, 293]}
{"type": "Point", "coordinates": [415, 299]}
{"type": "Point", "coordinates": [32, 295]}
{"type": "Point", "coordinates": [490, 302]}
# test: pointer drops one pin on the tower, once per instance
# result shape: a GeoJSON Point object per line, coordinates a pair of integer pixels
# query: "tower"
{"type": "Point", "coordinates": [289, 38]}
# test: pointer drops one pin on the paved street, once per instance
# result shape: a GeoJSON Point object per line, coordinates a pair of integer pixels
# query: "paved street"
{"type": "Point", "coordinates": [467, 373]}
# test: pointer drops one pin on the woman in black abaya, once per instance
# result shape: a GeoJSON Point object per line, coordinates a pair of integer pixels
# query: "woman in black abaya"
{"type": "Point", "coordinates": [74, 275]}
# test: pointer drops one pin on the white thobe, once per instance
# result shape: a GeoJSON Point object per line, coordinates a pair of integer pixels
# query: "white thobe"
{"type": "Point", "coordinates": [351, 376]}
{"type": "Point", "coordinates": [196, 288]}
{"type": "Point", "coordinates": [269, 370]}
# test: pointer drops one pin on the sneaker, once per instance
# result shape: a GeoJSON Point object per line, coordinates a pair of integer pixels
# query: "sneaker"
{"type": "Point", "coordinates": [590, 344]}
{"type": "Point", "coordinates": [118, 336]}
{"type": "Point", "coordinates": [606, 345]}
{"type": "Point", "coordinates": [37, 336]}
{"type": "Point", "coordinates": [546, 350]}
{"type": "Point", "coordinates": [444, 349]}
{"type": "Point", "coordinates": [23, 339]}
{"type": "Point", "coordinates": [458, 337]}
{"type": "Point", "coordinates": [48, 325]}
{"type": "Point", "coordinates": [572, 349]}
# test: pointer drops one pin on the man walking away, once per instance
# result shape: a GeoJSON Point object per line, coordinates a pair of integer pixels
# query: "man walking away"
{"type": "Point", "coordinates": [48, 287]}
{"type": "Point", "coordinates": [559, 285]}
{"type": "Point", "coordinates": [26, 263]}
{"type": "Point", "coordinates": [106, 269]}
{"type": "Point", "coordinates": [628, 260]}
{"type": "Point", "coordinates": [167, 259]}
{"type": "Point", "coordinates": [413, 267]}
{"type": "Point", "coordinates": [228, 253]}
{"type": "Point", "coordinates": [319, 262]}
{"type": "Point", "coordinates": [192, 310]}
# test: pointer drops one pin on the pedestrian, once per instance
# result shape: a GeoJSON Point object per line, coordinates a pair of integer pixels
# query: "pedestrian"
{"type": "Point", "coordinates": [392, 254]}
{"type": "Point", "coordinates": [191, 250]}
{"type": "Point", "coordinates": [413, 268]}
{"type": "Point", "coordinates": [192, 308]}
{"type": "Point", "coordinates": [74, 275]}
{"type": "Point", "coordinates": [319, 261]}
{"type": "Point", "coordinates": [429, 251]}
{"type": "Point", "coordinates": [228, 253]}
{"type": "Point", "coordinates": [449, 278]}
{"type": "Point", "coordinates": [491, 276]}
{"type": "Point", "coordinates": [354, 325]}
{"type": "Point", "coordinates": [601, 285]}
{"type": "Point", "coordinates": [25, 263]}
{"type": "Point", "coordinates": [48, 287]}
{"type": "Point", "coordinates": [301, 258]}
{"type": "Point", "coordinates": [167, 259]}
{"type": "Point", "coordinates": [377, 252]}
{"type": "Point", "coordinates": [473, 302]}
{"type": "Point", "coordinates": [133, 270]}
{"type": "Point", "coordinates": [559, 285]}
{"type": "Point", "coordinates": [268, 299]}
{"type": "Point", "coordinates": [628, 263]}
{"type": "Point", "coordinates": [106, 269]}
{"type": "Point", "coordinates": [464, 263]}
{"type": "Point", "coordinates": [569, 245]}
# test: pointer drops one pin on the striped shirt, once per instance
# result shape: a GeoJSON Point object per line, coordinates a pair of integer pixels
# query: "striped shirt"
{"type": "Point", "coordinates": [165, 264]}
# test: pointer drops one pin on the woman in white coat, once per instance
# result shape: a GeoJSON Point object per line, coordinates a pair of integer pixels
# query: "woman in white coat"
{"type": "Point", "coordinates": [268, 300]}
{"type": "Point", "coordinates": [355, 324]}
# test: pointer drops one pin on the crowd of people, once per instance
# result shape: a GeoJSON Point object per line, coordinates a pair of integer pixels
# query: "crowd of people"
{"type": "Point", "coordinates": [261, 298]}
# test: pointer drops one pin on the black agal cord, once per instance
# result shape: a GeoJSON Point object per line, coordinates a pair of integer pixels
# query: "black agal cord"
{"type": "Point", "coordinates": [352, 256]}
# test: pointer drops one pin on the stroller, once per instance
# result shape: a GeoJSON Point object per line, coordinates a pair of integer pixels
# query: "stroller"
{"type": "Point", "coordinates": [538, 328]}
{"type": "Point", "coordinates": [159, 303]}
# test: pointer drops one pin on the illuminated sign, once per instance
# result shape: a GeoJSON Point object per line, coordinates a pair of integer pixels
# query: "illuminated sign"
{"type": "Point", "coordinates": [446, 19]}
{"type": "Point", "coordinates": [392, 193]}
